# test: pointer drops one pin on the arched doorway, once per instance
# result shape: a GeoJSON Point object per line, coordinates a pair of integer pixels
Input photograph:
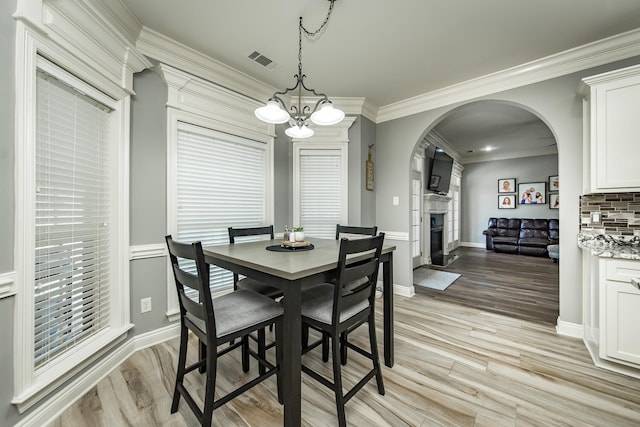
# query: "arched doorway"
{"type": "Point", "coordinates": [489, 141]}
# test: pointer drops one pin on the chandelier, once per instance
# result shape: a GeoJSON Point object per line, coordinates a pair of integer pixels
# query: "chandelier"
{"type": "Point", "coordinates": [324, 113]}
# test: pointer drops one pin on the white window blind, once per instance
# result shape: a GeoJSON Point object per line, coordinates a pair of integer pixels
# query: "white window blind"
{"type": "Point", "coordinates": [221, 182]}
{"type": "Point", "coordinates": [72, 218]}
{"type": "Point", "coordinates": [321, 185]}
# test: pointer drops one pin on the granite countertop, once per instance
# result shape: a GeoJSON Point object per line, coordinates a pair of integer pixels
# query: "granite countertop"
{"type": "Point", "coordinates": [610, 246]}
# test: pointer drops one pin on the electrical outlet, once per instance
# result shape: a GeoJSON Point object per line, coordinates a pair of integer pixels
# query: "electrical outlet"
{"type": "Point", "coordinates": [596, 217]}
{"type": "Point", "coordinates": [145, 305]}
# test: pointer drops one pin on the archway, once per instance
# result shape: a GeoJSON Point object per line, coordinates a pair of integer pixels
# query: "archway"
{"type": "Point", "coordinates": [489, 140]}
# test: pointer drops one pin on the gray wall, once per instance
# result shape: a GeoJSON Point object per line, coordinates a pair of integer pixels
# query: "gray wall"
{"type": "Point", "coordinates": [555, 101]}
{"type": "Point", "coordinates": [479, 199]}
{"type": "Point", "coordinates": [361, 202]}
{"type": "Point", "coordinates": [148, 199]}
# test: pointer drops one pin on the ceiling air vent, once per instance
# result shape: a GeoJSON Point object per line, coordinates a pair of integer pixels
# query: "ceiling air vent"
{"type": "Point", "coordinates": [259, 58]}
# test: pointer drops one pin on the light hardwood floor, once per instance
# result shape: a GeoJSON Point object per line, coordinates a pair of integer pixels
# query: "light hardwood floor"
{"type": "Point", "coordinates": [455, 366]}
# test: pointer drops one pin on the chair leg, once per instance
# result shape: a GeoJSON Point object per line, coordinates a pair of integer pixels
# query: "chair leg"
{"type": "Point", "coordinates": [245, 353]}
{"type": "Point", "coordinates": [202, 348]}
{"type": "Point", "coordinates": [305, 336]}
{"type": "Point", "coordinates": [337, 382]}
{"type": "Point", "coordinates": [210, 388]}
{"type": "Point", "coordinates": [262, 351]}
{"type": "Point", "coordinates": [343, 348]}
{"type": "Point", "coordinates": [182, 360]}
{"type": "Point", "coordinates": [325, 347]}
{"type": "Point", "coordinates": [374, 354]}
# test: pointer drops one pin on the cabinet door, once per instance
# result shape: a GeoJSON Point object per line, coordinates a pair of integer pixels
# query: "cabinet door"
{"type": "Point", "coordinates": [615, 128]}
{"type": "Point", "coordinates": [623, 318]}
{"type": "Point", "coordinates": [622, 312]}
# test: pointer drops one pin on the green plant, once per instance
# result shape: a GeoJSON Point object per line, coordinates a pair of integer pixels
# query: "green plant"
{"type": "Point", "coordinates": [298, 228]}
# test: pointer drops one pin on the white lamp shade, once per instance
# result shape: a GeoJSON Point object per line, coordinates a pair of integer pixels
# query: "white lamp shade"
{"type": "Point", "coordinates": [272, 113]}
{"type": "Point", "coordinates": [299, 132]}
{"type": "Point", "coordinates": [327, 115]}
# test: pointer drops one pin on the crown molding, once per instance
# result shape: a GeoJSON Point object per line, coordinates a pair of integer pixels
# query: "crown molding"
{"type": "Point", "coordinates": [615, 48]}
{"type": "Point", "coordinates": [170, 52]}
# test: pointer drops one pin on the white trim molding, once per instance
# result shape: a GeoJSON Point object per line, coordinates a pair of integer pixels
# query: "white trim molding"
{"type": "Point", "coordinates": [569, 329]}
{"type": "Point", "coordinates": [155, 250]}
{"type": "Point", "coordinates": [473, 245]}
{"type": "Point", "coordinates": [405, 291]}
{"type": "Point", "coordinates": [615, 48]}
{"type": "Point", "coordinates": [7, 284]}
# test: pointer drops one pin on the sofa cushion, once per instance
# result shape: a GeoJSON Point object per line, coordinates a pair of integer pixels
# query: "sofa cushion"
{"type": "Point", "coordinates": [533, 241]}
{"type": "Point", "coordinates": [505, 240]}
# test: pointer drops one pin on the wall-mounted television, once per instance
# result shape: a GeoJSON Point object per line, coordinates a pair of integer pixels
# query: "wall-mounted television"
{"type": "Point", "coordinates": [438, 167]}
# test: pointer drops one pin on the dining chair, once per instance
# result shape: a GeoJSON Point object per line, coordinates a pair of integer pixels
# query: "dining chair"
{"type": "Point", "coordinates": [335, 308]}
{"type": "Point", "coordinates": [252, 284]}
{"type": "Point", "coordinates": [350, 229]}
{"type": "Point", "coordinates": [215, 322]}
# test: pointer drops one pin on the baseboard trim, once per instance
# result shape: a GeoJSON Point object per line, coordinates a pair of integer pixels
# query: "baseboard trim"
{"type": "Point", "coordinates": [405, 291]}
{"type": "Point", "coordinates": [67, 396]}
{"type": "Point", "coordinates": [473, 245]}
{"type": "Point", "coordinates": [568, 329]}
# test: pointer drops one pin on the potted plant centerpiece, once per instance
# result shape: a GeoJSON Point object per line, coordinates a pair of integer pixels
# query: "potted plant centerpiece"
{"type": "Point", "coordinates": [299, 233]}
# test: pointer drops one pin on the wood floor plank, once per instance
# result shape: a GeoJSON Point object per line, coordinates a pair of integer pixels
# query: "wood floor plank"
{"type": "Point", "coordinates": [456, 365]}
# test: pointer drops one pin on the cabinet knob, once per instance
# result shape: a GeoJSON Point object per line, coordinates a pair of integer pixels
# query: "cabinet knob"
{"type": "Point", "coordinates": [635, 281]}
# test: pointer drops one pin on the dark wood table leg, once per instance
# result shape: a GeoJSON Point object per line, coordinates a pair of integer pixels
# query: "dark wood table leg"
{"type": "Point", "coordinates": [291, 370]}
{"type": "Point", "coordinates": [387, 291]}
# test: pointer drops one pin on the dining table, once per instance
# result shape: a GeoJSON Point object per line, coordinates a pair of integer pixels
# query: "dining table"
{"type": "Point", "coordinates": [290, 270]}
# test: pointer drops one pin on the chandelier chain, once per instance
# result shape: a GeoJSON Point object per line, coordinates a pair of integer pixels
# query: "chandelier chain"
{"type": "Point", "coordinates": [310, 34]}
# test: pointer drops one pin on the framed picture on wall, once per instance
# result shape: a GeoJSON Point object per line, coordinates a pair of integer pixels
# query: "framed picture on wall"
{"type": "Point", "coordinates": [554, 201]}
{"type": "Point", "coordinates": [507, 185]}
{"type": "Point", "coordinates": [507, 202]}
{"type": "Point", "coordinates": [554, 183]}
{"type": "Point", "coordinates": [532, 193]}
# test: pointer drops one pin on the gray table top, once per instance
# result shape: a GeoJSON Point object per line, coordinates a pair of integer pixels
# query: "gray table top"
{"type": "Point", "coordinates": [288, 265]}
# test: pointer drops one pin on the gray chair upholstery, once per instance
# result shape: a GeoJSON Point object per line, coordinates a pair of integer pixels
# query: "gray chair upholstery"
{"type": "Point", "coordinates": [253, 285]}
{"type": "Point", "coordinates": [215, 322]}
{"type": "Point", "coordinates": [334, 309]}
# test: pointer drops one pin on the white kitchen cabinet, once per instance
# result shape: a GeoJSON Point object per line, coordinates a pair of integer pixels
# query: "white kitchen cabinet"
{"type": "Point", "coordinates": [611, 131]}
{"type": "Point", "coordinates": [611, 313]}
{"type": "Point", "coordinates": [620, 316]}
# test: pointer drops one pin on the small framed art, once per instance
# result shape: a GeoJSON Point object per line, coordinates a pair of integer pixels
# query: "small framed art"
{"type": "Point", "coordinates": [507, 185]}
{"type": "Point", "coordinates": [554, 200]}
{"type": "Point", "coordinates": [554, 183]}
{"type": "Point", "coordinates": [532, 193]}
{"type": "Point", "coordinates": [507, 202]}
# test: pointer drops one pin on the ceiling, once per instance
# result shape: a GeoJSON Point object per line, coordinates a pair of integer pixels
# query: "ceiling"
{"type": "Point", "coordinates": [389, 51]}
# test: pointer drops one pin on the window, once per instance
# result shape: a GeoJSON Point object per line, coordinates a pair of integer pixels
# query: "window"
{"type": "Point", "coordinates": [72, 218]}
{"type": "Point", "coordinates": [320, 200]}
{"type": "Point", "coordinates": [72, 304]}
{"type": "Point", "coordinates": [221, 182]}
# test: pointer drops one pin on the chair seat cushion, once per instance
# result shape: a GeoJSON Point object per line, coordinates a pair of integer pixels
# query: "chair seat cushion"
{"type": "Point", "coordinates": [317, 304]}
{"type": "Point", "coordinates": [259, 287]}
{"type": "Point", "coordinates": [239, 310]}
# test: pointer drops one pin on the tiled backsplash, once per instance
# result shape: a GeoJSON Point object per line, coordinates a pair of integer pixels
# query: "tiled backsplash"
{"type": "Point", "coordinates": [620, 213]}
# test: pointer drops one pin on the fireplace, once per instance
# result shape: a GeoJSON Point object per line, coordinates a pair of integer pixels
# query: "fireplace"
{"type": "Point", "coordinates": [436, 238]}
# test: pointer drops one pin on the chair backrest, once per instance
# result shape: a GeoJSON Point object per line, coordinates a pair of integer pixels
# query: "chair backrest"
{"type": "Point", "coordinates": [249, 231]}
{"type": "Point", "coordinates": [186, 280]}
{"type": "Point", "coordinates": [244, 232]}
{"type": "Point", "coordinates": [348, 229]}
{"type": "Point", "coordinates": [367, 252]}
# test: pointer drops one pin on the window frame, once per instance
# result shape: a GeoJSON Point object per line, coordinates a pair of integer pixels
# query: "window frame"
{"type": "Point", "coordinates": [197, 102]}
{"type": "Point", "coordinates": [32, 49]}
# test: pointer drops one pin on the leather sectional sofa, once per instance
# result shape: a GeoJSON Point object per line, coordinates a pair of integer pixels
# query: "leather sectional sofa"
{"type": "Point", "coordinates": [522, 235]}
